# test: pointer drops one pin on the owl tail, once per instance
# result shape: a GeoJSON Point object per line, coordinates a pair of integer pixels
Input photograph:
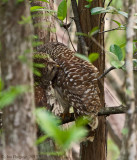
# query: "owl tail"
{"type": "Point", "coordinates": [92, 126]}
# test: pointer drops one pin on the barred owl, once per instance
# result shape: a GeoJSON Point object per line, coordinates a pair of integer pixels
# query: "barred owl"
{"type": "Point", "coordinates": [75, 82]}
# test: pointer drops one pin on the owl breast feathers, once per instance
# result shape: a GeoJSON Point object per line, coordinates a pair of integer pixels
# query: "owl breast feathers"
{"type": "Point", "coordinates": [75, 82]}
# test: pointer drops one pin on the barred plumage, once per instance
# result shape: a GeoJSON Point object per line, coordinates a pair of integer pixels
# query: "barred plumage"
{"type": "Point", "coordinates": [75, 82]}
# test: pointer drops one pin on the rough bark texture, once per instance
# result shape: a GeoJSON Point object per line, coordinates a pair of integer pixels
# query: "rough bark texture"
{"type": "Point", "coordinates": [43, 23]}
{"type": "Point", "coordinates": [18, 119]}
{"type": "Point", "coordinates": [129, 150]}
{"type": "Point", "coordinates": [97, 149]}
{"type": "Point", "coordinates": [135, 72]}
{"type": "Point", "coordinates": [44, 96]}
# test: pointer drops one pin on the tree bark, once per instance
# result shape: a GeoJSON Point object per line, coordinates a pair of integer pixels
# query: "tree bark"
{"type": "Point", "coordinates": [129, 150]}
{"type": "Point", "coordinates": [96, 149]}
{"type": "Point", "coordinates": [43, 22]}
{"type": "Point", "coordinates": [18, 119]}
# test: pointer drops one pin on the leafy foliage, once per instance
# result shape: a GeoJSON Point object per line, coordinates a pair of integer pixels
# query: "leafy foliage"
{"type": "Point", "coordinates": [110, 9]}
{"type": "Point", "coordinates": [93, 57]}
{"type": "Point", "coordinates": [90, 34]}
{"type": "Point", "coordinates": [93, 31]}
{"type": "Point", "coordinates": [117, 51]}
{"type": "Point", "coordinates": [88, 5]}
{"type": "Point", "coordinates": [25, 20]}
{"type": "Point", "coordinates": [63, 137]}
{"type": "Point", "coordinates": [40, 8]}
{"type": "Point", "coordinates": [8, 96]}
{"type": "Point", "coordinates": [82, 56]}
{"type": "Point", "coordinates": [114, 61]}
{"type": "Point", "coordinates": [44, 1]}
{"type": "Point", "coordinates": [62, 10]}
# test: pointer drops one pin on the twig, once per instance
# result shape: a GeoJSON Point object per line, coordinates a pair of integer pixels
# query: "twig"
{"type": "Point", "coordinates": [66, 26]}
{"type": "Point", "coordinates": [71, 40]}
{"type": "Point", "coordinates": [78, 26]}
{"type": "Point", "coordinates": [106, 72]}
{"type": "Point", "coordinates": [106, 111]}
{"type": "Point", "coordinates": [117, 28]}
{"type": "Point", "coordinates": [110, 69]}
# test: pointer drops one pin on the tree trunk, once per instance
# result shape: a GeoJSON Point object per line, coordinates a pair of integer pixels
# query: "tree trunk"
{"type": "Point", "coordinates": [43, 23]}
{"type": "Point", "coordinates": [16, 65]}
{"type": "Point", "coordinates": [97, 149]}
{"type": "Point", "coordinates": [129, 150]}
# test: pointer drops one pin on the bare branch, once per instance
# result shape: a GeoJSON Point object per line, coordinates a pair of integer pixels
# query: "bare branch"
{"type": "Point", "coordinates": [103, 112]}
{"type": "Point", "coordinates": [106, 72]}
{"type": "Point", "coordinates": [78, 26]}
{"type": "Point", "coordinates": [117, 28]}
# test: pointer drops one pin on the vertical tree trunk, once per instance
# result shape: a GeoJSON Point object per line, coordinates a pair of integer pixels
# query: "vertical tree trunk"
{"type": "Point", "coordinates": [18, 119]}
{"type": "Point", "coordinates": [43, 25]}
{"type": "Point", "coordinates": [43, 22]}
{"type": "Point", "coordinates": [129, 150]}
{"type": "Point", "coordinates": [97, 149]}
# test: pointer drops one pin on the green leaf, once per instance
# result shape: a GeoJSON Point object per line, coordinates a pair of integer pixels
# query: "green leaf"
{"type": "Point", "coordinates": [97, 10]}
{"type": "Point", "coordinates": [122, 45]}
{"type": "Point", "coordinates": [135, 40]}
{"type": "Point", "coordinates": [118, 23]}
{"type": "Point", "coordinates": [123, 14]}
{"type": "Point", "coordinates": [74, 134]}
{"type": "Point", "coordinates": [62, 10]}
{"type": "Point", "coordinates": [35, 8]}
{"type": "Point", "coordinates": [25, 20]}
{"type": "Point", "coordinates": [82, 121]}
{"type": "Point", "coordinates": [93, 57]}
{"type": "Point", "coordinates": [47, 122]}
{"type": "Point", "coordinates": [40, 8]}
{"type": "Point", "coordinates": [81, 56]}
{"type": "Point", "coordinates": [36, 72]}
{"type": "Point", "coordinates": [36, 43]}
{"type": "Point", "coordinates": [8, 96]}
{"type": "Point", "coordinates": [41, 139]}
{"type": "Point", "coordinates": [88, 5]}
{"type": "Point", "coordinates": [117, 51]}
{"type": "Point", "coordinates": [39, 65]}
{"type": "Point", "coordinates": [114, 61]}
{"type": "Point", "coordinates": [93, 31]}
{"type": "Point", "coordinates": [44, 1]}
{"type": "Point", "coordinates": [39, 56]}
{"type": "Point", "coordinates": [109, 9]}
{"type": "Point", "coordinates": [63, 137]}
{"type": "Point", "coordinates": [117, 64]}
